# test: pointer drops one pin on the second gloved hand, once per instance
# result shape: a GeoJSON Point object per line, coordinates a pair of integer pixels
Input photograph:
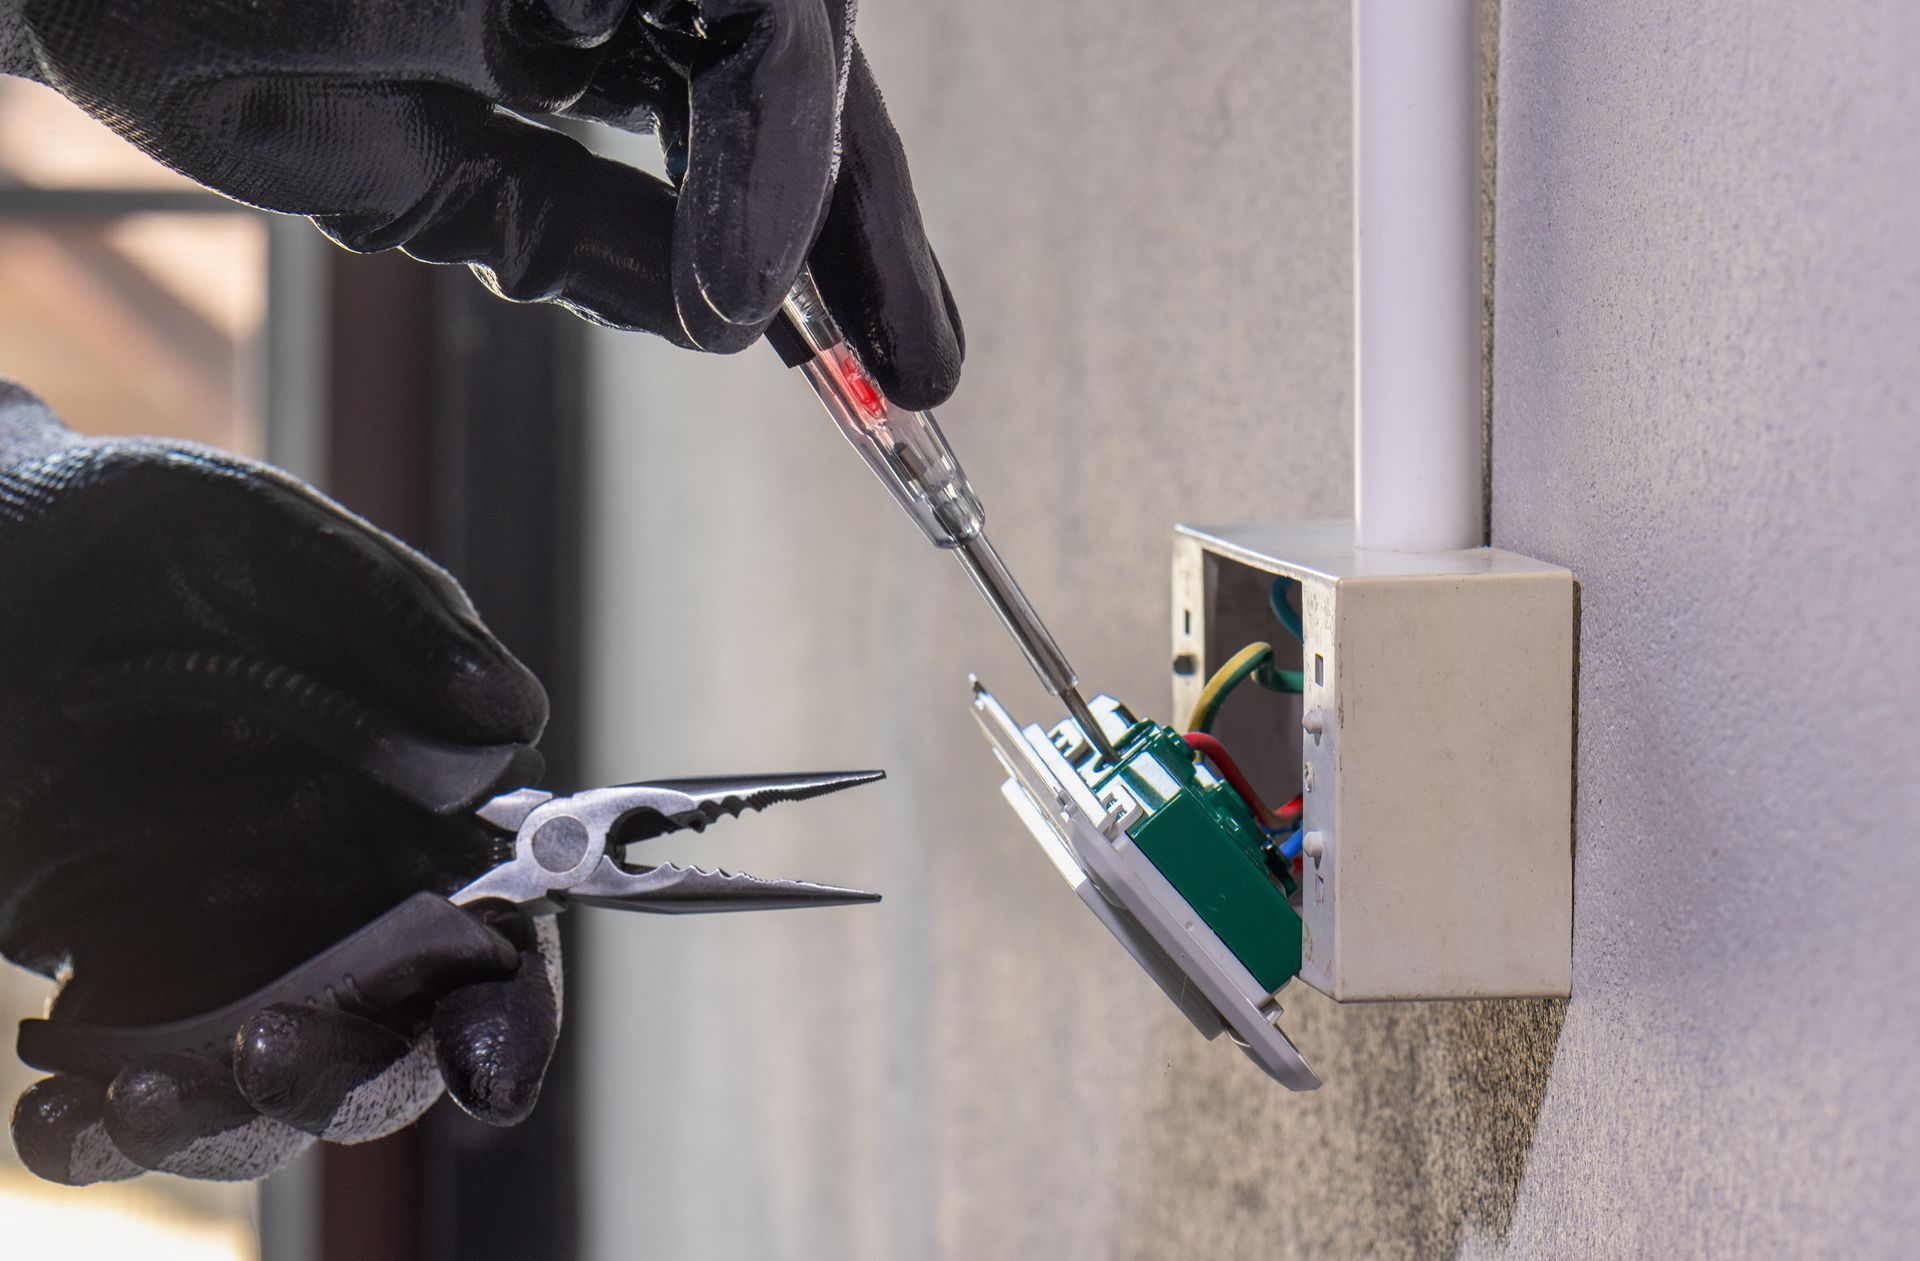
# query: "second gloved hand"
{"type": "Point", "coordinates": [403, 125]}
{"type": "Point", "coordinates": [189, 644]}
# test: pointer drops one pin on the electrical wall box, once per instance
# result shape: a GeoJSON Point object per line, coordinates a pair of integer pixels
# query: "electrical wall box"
{"type": "Point", "coordinates": [1432, 746]}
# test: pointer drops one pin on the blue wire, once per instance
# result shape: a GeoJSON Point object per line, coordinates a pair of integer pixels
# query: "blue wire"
{"type": "Point", "coordinates": [1290, 848]}
{"type": "Point", "coordinates": [1277, 599]}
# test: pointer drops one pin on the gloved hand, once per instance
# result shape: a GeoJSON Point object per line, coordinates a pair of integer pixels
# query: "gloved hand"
{"type": "Point", "coordinates": [389, 124]}
{"type": "Point", "coordinates": [172, 615]}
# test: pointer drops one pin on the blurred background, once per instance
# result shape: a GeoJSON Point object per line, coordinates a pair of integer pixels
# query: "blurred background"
{"type": "Point", "coordinates": [132, 302]}
{"type": "Point", "coordinates": [136, 303]}
{"type": "Point", "coordinates": [1702, 386]}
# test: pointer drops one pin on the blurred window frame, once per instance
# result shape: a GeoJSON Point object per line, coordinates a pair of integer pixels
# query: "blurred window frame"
{"type": "Point", "coordinates": [424, 403]}
{"type": "Point", "coordinates": [291, 409]}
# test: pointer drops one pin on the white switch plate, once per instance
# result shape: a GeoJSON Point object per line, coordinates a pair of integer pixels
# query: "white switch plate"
{"type": "Point", "coordinates": [1439, 783]}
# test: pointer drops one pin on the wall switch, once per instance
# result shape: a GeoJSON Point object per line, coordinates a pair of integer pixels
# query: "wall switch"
{"type": "Point", "coordinates": [1432, 745]}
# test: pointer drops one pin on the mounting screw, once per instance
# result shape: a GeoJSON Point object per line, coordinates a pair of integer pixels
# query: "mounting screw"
{"type": "Point", "coordinates": [1314, 845]}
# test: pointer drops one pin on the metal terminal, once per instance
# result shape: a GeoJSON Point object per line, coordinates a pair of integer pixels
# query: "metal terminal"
{"type": "Point", "coordinates": [1070, 737]}
{"type": "Point", "coordinates": [1123, 808]}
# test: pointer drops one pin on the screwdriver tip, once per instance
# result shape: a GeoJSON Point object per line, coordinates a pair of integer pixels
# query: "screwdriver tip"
{"type": "Point", "coordinates": [1077, 707]}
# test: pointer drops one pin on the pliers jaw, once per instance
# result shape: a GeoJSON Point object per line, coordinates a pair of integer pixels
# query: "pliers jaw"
{"type": "Point", "coordinates": [564, 846]}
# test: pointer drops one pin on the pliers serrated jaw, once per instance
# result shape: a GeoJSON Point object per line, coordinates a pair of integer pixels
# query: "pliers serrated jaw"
{"type": "Point", "coordinates": [564, 847]}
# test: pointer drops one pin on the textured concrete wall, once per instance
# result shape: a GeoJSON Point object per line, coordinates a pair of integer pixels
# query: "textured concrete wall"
{"type": "Point", "coordinates": [1707, 354]}
{"type": "Point", "coordinates": [1701, 331]}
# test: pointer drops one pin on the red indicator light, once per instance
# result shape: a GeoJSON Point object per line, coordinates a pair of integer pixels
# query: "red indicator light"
{"type": "Point", "coordinates": [862, 389]}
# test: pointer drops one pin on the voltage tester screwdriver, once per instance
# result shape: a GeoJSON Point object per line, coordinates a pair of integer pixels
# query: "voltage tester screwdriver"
{"type": "Point", "coordinates": [908, 452]}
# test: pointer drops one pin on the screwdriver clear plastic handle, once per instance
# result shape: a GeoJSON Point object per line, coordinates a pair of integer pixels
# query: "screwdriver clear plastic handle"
{"type": "Point", "coordinates": [905, 449]}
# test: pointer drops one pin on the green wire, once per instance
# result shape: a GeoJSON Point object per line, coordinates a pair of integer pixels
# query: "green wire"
{"type": "Point", "coordinates": [1275, 679]}
{"type": "Point", "coordinates": [1277, 601]}
{"type": "Point", "coordinates": [1255, 662]}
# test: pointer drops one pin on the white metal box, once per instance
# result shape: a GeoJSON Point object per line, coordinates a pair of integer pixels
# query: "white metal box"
{"type": "Point", "coordinates": [1434, 751]}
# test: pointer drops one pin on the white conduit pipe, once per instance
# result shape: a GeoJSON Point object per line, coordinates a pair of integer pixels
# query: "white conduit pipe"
{"type": "Point", "coordinates": [1418, 456]}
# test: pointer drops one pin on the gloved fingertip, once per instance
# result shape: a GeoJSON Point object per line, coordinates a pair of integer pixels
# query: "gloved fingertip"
{"type": "Point", "coordinates": [921, 382]}
{"type": "Point", "coordinates": [153, 1110]}
{"type": "Point", "coordinates": [495, 1079]}
{"type": "Point", "coordinates": [326, 1072]}
{"type": "Point", "coordinates": [192, 1131]}
{"type": "Point", "coordinates": [704, 324]}
{"type": "Point", "coordinates": [58, 1134]}
{"type": "Point", "coordinates": [874, 265]}
{"type": "Point", "coordinates": [184, 1115]}
{"type": "Point", "coordinates": [742, 292]}
{"type": "Point", "coordinates": [763, 105]}
{"type": "Point", "coordinates": [494, 1040]}
{"type": "Point", "coordinates": [901, 318]}
{"type": "Point", "coordinates": [919, 368]}
{"type": "Point", "coordinates": [958, 329]}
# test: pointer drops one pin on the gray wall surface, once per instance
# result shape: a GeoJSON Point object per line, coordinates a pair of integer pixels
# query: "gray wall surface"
{"type": "Point", "coordinates": [1705, 320]}
{"type": "Point", "coordinates": [1707, 355]}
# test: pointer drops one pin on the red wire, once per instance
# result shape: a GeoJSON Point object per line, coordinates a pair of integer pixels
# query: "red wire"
{"type": "Point", "coordinates": [1201, 742]}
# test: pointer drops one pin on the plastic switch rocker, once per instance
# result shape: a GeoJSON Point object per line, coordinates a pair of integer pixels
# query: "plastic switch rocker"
{"type": "Point", "coordinates": [1168, 857]}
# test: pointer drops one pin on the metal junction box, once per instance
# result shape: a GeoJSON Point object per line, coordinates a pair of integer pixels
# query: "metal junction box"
{"type": "Point", "coordinates": [1432, 745]}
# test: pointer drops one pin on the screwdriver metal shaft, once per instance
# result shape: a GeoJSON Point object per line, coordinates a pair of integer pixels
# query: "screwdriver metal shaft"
{"type": "Point", "coordinates": [996, 583]}
{"type": "Point", "coordinates": [910, 455]}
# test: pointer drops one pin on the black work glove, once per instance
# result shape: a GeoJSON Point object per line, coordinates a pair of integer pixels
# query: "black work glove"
{"type": "Point", "coordinates": [389, 124]}
{"type": "Point", "coordinates": [171, 615]}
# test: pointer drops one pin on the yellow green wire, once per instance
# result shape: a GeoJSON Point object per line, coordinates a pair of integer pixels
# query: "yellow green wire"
{"type": "Point", "coordinates": [1254, 661]}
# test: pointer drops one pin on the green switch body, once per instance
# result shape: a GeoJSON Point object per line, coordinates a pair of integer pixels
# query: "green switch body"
{"type": "Point", "coordinates": [1199, 835]}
